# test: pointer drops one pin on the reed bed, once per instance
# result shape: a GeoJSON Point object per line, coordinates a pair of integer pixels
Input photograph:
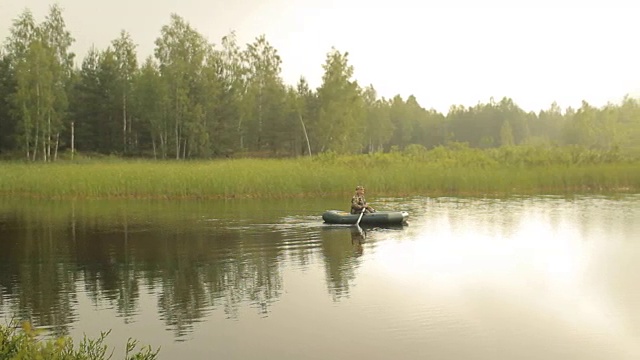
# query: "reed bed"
{"type": "Point", "coordinates": [416, 171]}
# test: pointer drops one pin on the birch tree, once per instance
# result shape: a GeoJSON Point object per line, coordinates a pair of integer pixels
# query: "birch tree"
{"type": "Point", "coordinates": [42, 64]}
{"type": "Point", "coordinates": [22, 34]}
{"type": "Point", "coordinates": [58, 40]}
{"type": "Point", "coordinates": [125, 56]}
{"type": "Point", "coordinates": [181, 51]}
{"type": "Point", "coordinates": [151, 96]}
{"type": "Point", "coordinates": [233, 76]}
{"type": "Point", "coordinates": [303, 106]}
{"type": "Point", "coordinates": [34, 99]}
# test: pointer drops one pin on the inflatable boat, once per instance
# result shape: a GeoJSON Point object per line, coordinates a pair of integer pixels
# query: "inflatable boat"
{"type": "Point", "coordinates": [378, 217]}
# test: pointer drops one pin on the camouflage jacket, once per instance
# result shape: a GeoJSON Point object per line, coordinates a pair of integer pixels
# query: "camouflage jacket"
{"type": "Point", "coordinates": [357, 203]}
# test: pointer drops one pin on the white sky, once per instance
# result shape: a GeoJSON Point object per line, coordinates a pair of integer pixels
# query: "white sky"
{"type": "Point", "coordinates": [443, 52]}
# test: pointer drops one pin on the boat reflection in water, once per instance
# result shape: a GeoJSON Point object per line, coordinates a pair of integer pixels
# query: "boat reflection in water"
{"type": "Point", "coordinates": [358, 234]}
{"type": "Point", "coordinates": [344, 250]}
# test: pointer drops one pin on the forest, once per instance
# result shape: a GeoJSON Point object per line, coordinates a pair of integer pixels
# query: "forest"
{"type": "Point", "coordinates": [193, 99]}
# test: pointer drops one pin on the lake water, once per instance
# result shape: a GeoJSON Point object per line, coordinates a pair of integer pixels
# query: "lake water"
{"type": "Point", "coordinates": [467, 278]}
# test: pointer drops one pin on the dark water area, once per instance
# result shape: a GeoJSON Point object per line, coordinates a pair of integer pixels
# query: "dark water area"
{"type": "Point", "coordinates": [473, 278]}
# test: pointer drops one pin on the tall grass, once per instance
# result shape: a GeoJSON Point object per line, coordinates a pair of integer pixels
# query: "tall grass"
{"type": "Point", "coordinates": [450, 170]}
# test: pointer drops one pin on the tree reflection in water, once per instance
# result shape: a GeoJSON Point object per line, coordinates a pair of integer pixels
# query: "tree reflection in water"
{"type": "Point", "coordinates": [37, 275]}
{"type": "Point", "coordinates": [50, 249]}
{"type": "Point", "coordinates": [113, 253]}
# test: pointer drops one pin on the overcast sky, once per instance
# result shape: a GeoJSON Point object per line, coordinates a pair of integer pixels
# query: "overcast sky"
{"type": "Point", "coordinates": [443, 52]}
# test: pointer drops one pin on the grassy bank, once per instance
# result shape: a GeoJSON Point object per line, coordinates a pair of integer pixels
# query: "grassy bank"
{"type": "Point", "coordinates": [442, 171]}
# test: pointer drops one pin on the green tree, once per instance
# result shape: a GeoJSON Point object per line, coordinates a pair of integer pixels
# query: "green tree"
{"type": "Point", "coordinates": [59, 40]}
{"type": "Point", "coordinates": [85, 99]}
{"type": "Point", "coordinates": [232, 77]}
{"type": "Point", "coordinates": [608, 134]}
{"type": "Point", "coordinates": [340, 126]}
{"type": "Point", "coordinates": [7, 121]}
{"type": "Point", "coordinates": [20, 47]}
{"type": "Point", "coordinates": [125, 56]}
{"type": "Point", "coordinates": [580, 130]}
{"type": "Point", "coordinates": [150, 94]}
{"type": "Point", "coordinates": [181, 52]}
{"type": "Point", "coordinates": [108, 124]}
{"type": "Point", "coordinates": [506, 134]}
{"type": "Point", "coordinates": [416, 117]}
{"type": "Point", "coordinates": [400, 118]}
{"type": "Point", "coordinates": [432, 129]}
{"type": "Point", "coordinates": [264, 100]}
{"type": "Point", "coordinates": [507, 110]}
{"type": "Point", "coordinates": [43, 65]}
{"type": "Point", "coordinates": [629, 119]}
{"type": "Point", "coordinates": [96, 103]}
{"type": "Point", "coordinates": [482, 125]}
{"type": "Point", "coordinates": [304, 102]}
{"type": "Point", "coordinates": [220, 99]}
{"type": "Point", "coordinates": [548, 125]}
{"type": "Point", "coordinates": [379, 127]}
{"type": "Point", "coordinates": [35, 97]}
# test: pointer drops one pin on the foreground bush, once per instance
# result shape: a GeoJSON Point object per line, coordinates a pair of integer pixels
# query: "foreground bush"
{"type": "Point", "coordinates": [25, 344]}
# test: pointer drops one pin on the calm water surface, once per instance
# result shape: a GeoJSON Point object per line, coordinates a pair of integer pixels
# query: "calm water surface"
{"type": "Point", "coordinates": [518, 278]}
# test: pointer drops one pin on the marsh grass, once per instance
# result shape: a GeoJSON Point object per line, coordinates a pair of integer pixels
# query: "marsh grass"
{"type": "Point", "coordinates": [453, 170]}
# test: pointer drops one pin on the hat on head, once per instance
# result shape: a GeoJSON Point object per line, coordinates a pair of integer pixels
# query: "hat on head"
{"type": "Point", "coordinates": [359, 187]}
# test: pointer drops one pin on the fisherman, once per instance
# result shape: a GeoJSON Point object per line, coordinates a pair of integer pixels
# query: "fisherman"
{"type": "Point", "coordinates": [358, 202]}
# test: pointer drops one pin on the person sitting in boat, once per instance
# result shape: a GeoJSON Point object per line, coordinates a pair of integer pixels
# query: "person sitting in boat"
{"type": "Point", "coordinates": [358, 202]}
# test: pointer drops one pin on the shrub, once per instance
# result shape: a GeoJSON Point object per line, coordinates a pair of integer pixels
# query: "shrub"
{"type": "Point", "coordinates": [26, 343]}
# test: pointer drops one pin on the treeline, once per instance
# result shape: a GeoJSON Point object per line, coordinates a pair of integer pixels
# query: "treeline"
{"type": "Point", "coordinates": [195, 99]}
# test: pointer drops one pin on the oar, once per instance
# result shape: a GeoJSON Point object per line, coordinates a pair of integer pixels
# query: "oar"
{"type": "Point", "coordinates": [360, 217]}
